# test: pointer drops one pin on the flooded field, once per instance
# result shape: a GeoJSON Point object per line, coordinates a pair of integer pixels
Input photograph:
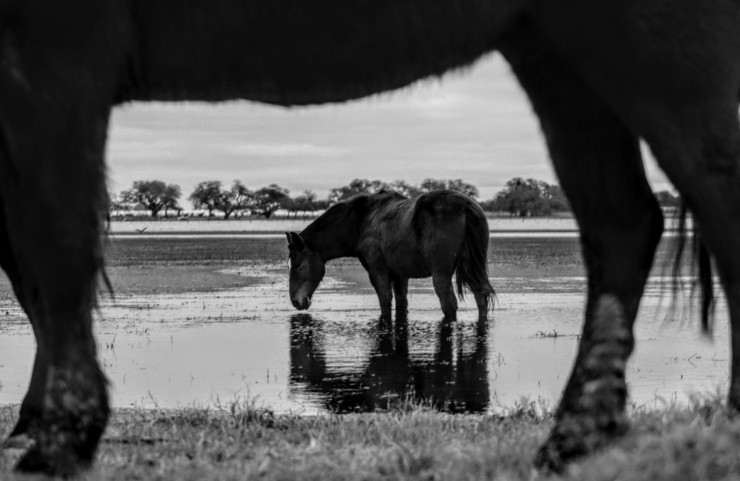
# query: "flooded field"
{"type": "Point", "coordinates": [205, 320]}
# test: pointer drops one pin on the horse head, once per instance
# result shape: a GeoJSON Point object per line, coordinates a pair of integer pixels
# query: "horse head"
{"type": "Point", "coordinates": [306, 271]}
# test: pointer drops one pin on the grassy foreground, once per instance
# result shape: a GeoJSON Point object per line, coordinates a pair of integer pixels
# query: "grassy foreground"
{"type": "Point", "coordinates": [239, 443]}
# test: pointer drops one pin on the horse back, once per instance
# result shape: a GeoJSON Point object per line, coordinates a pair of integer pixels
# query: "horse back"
{"type": "Point", "coordinates": [441, 219]}
{"type": "Point", "coordinates": [410, 235]}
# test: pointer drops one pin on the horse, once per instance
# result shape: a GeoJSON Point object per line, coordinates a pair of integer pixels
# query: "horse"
{"type": "Point", "coordinates": [437, 234]}
{"type": "Point", "coordinates": [601, 76]}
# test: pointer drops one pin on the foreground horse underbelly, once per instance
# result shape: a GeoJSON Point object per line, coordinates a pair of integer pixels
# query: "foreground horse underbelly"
{"type": "Point", "coordinates": [288, 53]}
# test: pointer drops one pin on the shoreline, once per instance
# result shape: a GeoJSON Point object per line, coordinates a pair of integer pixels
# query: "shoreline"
{"type": "Point", "coordinates": [280, 225]}
{"type": "Point", "coordinates": [272, 228]}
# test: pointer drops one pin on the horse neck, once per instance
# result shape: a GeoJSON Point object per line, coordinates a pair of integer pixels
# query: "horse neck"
{"type": "Point", "coordinates": [334, 234]}
{"type": "Point", "coordinates": [294, 52]}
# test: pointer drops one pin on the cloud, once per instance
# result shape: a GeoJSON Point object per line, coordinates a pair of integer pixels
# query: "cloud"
{"type": "Point", "coordinates": [476, 125]}
{"type": "Point", "coordinates": [286, 150]}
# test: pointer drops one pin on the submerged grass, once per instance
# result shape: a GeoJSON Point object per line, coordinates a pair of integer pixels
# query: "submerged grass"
{"type": "Point", "coordinates": [700, 442]}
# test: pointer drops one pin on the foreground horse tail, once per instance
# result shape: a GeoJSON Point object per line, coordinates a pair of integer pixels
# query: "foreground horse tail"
{"type": "Point", "coordinates": [472, 262]}
{"type": "Point", "coordinates": [701, 266]}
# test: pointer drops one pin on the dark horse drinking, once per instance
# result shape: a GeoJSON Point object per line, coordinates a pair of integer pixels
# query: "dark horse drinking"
{"type": "Point", "coordinates": [601, 76]}
{"type": "Point", "coordinates": [437, 234]}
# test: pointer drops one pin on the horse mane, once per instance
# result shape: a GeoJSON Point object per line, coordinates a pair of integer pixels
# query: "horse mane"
{"type": "Point", "coordinates": [335, 233]}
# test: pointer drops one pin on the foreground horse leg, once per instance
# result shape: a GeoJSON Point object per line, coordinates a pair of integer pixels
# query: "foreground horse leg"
{"type": "Point", "coordinates": [702, 159]}
{"type": "Point", "coordinates": [599, 165]}
{"type": "Point", "coordinates": [52, 177]}
{"type": "Point", "coordinates": [30, 408]}
{"type": "Point", "coordinates": [66, 408]}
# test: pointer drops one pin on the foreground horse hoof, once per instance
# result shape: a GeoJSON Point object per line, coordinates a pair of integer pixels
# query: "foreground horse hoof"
{"type": "Point", "coordinates": [575, 437]}
{"type": "Point", "coordinates": [67, 431]}
{"type": "Point", "coordinates": [61, 450]}
{"type": "Point", "coordinates": [593, 413]}
{"type": "Point", "coordinates": [60, 464]}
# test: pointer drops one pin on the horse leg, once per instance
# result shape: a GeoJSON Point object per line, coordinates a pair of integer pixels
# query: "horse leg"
{"type": "Point", "coordinates": [30, 408]}
{"type": "Point", "coordinates": [598, 162]}
{"type": "Point", "coordinates": [400, 291]}
{"type": "Point", "coordinates": [381, 282]}
{"type": "Point", "coordinates": [482, 300]}
{"type": "Point", "coordinates": [446, 294]}
{"type": "Point", "coordinates": [52, 184]}
{"type": "Point", "coordinates": [10, 267]}
{"type": "Point", "coordinates": [700, 153]}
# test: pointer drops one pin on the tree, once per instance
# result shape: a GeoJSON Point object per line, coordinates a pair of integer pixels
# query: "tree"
{"type": "Point", "coordinates": [171, 195]}
{"type": "Point", "coordinates": [209, 195]}
{"type": "Point", "coordinates": [307, 202]}
{"type": "Point", "coordinates": [429, 185]}
{"type": "Point", "coordinates": [116, 206]}
{"type": "Point", "coordinates": [404, 188]}
{"type": "Point", "coordinates": [355, 188]}
{"type": "Point", "coordinates": [206, 195]}
{"type": "Point", "coordinates": [460, 186]}
{"type": "Point", "coordinates": [154, 195]}
{"type": "Point", "coordinates": [240, 196]}
{"type": "Point", "coordinates": [269, 199]}
{"type": "Point", "coordinates": [558, 201]}
{"type": "Point", "coordinates": [529, 197]}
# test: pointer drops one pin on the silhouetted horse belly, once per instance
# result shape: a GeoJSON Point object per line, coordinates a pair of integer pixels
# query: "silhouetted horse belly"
{"type": "Point", "coordinates": [289, 52]}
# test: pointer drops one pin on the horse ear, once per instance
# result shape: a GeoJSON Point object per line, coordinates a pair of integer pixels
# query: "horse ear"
{"type": "Point", "coordinates": [295, 241]}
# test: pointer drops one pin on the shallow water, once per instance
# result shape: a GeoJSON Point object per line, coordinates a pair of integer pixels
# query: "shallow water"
{"type": "Point", "coordinates": [280, 225]}
{"type": "Point", "coordinates": [205, 348]}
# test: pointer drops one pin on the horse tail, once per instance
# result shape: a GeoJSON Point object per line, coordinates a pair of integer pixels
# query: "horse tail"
{"type": "Point", "coordinates": [472, 262]}
{"type": "Point", "coordinates": [701, 267]}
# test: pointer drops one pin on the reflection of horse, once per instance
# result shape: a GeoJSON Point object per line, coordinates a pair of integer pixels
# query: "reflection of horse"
{"type": "Point", "coordinates": [600, 74]}
{"type": "Point", "coordinates": [436, 234]}
{"type": "Point", "coordinates": [452, 380]}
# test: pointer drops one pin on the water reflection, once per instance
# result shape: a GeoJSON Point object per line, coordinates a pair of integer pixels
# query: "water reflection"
{"type": "Point", "coordinates": [454, 378]}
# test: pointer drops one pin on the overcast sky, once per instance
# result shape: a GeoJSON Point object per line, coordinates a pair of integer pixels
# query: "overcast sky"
{"type": "Point", "coordinates": [476, 125]}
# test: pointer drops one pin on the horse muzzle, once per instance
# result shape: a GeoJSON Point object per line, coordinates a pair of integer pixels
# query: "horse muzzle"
{"type": "Point", "coordinates": [301, 304]}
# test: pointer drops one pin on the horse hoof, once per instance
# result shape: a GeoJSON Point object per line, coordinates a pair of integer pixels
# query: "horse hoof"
{"type": "Point", "coordinates": [75, 413]}
{"type": "Point", "coordinates": [576, 436]}
{"type": "Point", "coordinates": [61, 464]}
{"type": "Point", "coordinates": [549, 459]}
{"type": "Point", "coordinates": [59, 449]}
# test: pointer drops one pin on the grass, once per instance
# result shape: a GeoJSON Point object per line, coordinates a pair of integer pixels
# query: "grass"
{"type": "Point", "coordinates": [700, 442]}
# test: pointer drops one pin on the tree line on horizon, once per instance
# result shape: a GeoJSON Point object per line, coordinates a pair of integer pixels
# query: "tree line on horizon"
{"type": "Point", "coordinates": [520, 197]}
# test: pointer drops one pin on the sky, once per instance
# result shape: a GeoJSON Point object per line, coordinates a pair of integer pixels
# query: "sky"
{"type": "Point", "coordinates": [475, 124]}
